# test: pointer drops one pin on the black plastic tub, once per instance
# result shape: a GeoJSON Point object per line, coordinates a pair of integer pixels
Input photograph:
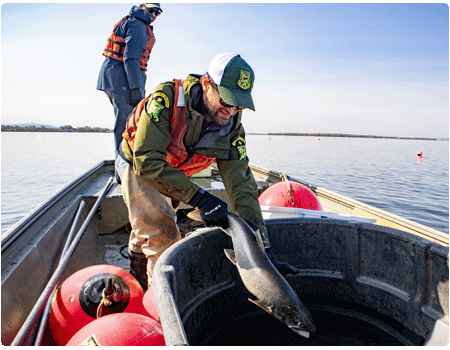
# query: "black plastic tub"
{"type": "Point", "coordinates": [363, 284]}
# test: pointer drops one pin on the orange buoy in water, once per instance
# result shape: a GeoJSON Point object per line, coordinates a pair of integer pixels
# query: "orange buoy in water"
{"type": "Point", "coordinates": [294, 196]}
{"type": "Point", "coordinates": [91, 293]}
{"type": "Point", "coordinates": [125, 329]}
{"type": "Point", "coordinates": [419, 154]}
{"type": "Point", "coordinates": [149, 307]}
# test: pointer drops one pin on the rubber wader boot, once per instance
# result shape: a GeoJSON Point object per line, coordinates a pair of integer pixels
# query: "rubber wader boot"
{"type": "Point", "coordinates": [138, 268]}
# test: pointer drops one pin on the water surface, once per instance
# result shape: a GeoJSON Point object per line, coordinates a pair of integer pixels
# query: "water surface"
{"type": "Point", "coordinates": [384, 173]}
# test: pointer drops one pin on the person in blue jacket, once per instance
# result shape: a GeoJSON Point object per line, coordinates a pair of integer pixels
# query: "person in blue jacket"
{"type": "Point", "coordinates": [123, 73]}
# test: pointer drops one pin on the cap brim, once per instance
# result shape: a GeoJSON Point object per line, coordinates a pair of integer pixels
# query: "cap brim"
{"type": "Point", "coordinates": [237, 98]}
{"type": "Point", "coordinates": [153, 6]}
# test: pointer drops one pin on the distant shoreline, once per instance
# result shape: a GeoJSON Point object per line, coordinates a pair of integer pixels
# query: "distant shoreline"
{"type": "Point", "coordinates": [350, 135]}
{"type": "Point", "coordinates": [65, 128]}
{"type": "Point", "coordinates": [68, 128]}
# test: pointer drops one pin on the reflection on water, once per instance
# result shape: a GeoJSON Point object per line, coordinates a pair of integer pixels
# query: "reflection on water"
{"type": "Point", "coordinates": [384, 173]}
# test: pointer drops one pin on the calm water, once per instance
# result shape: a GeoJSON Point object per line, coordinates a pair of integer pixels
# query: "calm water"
{"type": "Point", "coordinates": [381, 172]}
{"type": "Point", "coordinates": [384, 173]}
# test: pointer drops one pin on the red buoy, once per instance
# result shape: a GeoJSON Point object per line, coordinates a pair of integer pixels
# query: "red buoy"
{"type": "Point", "coordinates": [420, 154]}
{"type": "Point", "coordinates": [294, 196]}
{"type": "Point", "coordinates": [89, 294]}
{"type": "Point", "coordinates": [149, 307]}
{"type": "Point", "coordinates": [123, 329]}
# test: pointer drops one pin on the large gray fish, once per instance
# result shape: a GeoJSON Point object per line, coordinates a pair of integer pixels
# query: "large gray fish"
{"type": "Point", "coordinates": [261, 278]}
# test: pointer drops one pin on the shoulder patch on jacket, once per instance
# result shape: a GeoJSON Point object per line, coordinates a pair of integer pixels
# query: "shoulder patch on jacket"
{"type": "Point", "coordinates": [239, 143]}
{"type": "Point", "coordinates": [161, 98]}
{"type": "Point", "coordinates": [154, 109]}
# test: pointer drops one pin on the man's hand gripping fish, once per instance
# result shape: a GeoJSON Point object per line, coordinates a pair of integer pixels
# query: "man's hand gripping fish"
{"type": "Point", "coordinates": [274, 295]}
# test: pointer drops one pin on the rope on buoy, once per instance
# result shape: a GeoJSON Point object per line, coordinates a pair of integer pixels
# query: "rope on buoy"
{"type": "Point", "coordinates": [288, 184]}
{"type": "Point", "coordinates": [106, 301]}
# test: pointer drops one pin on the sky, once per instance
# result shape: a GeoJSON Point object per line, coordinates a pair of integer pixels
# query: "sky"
{"type": "Point", "coordinates": [369, 69]}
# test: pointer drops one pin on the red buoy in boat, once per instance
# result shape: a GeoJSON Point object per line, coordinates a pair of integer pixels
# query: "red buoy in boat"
{"type": "Point", "coordinates": [89, 294]}
{"type": "Point", "coordinates": [149, 307]}
{"type": "Point", "coordinates": [290, 195]}
{"type": "Point", "coordinates": [125, 329]}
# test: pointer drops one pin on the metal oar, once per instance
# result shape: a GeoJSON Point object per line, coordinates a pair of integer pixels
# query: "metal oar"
{"type": "Point", "coordinates": [40, 304]}
{"type": "Point", "coordinates": [48, 305]}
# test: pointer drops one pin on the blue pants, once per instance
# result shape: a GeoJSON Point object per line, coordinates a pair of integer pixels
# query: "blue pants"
{"type": "Point", "coordinates": [122, 110]}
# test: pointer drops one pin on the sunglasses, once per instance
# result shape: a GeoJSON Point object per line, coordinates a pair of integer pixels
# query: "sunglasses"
{"type": "Point", "coordinates": [155, 11]}
{"type": "Point", "coordinates": [222, 102]}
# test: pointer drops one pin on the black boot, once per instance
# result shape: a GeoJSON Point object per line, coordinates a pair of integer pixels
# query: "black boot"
{"type": "Point", "coordinates": [138, 267]}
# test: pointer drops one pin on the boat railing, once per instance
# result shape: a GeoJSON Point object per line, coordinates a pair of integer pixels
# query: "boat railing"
{"type": "Point", "coordinates": [50, 287]}
{"type": "Point", "coordinates": [337, 203]}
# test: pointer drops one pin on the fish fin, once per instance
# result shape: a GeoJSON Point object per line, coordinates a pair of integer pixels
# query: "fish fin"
{"type": "Point", "coordinates": [262, 305]}
{"type": "Point", "coordinates": [227, 231]}
{"type": "Point", "coordinates": [230, 255]}
{"type": "Point", "coordinates": [195, 215]}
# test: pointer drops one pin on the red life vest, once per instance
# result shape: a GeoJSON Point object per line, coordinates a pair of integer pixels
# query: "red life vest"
{"type": "Point", "coordinates": [115, 46]}
{"type": "Point", "coordinates": [177, 156]}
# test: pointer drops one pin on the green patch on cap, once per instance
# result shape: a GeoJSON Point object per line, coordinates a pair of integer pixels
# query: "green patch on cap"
{"type": "Point", "coordinates": [237, 83]}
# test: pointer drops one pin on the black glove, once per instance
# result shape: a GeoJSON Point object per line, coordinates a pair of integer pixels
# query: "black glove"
{"type": "Point", "coordinates": [212, 210]}
{"type": "Point", "coordinates": [283, 267]}
{"type": "Point", "coordinates": [136, 96]}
